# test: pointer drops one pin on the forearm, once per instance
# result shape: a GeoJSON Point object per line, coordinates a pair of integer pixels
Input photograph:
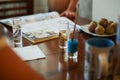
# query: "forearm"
{"type": "Point", "coordinates": [72, 5]}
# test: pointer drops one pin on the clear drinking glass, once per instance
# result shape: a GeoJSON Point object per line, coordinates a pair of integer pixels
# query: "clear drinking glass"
{"type": "Point", "coordinates": [66, 40]}
{"type": "Point", "coordinates": [17, 32]}
{"type": "Point", "coordinates": [98, 59]}
{"type": "Point", "coordinates": [72, 45]}
{"type": "Point", "coordinates": [117, 59]}
{"type": "Point", "coordinates": [63, 34]}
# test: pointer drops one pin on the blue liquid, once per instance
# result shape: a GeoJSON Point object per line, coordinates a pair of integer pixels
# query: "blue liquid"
{"type": "Point", "coordinates": [72, 45]}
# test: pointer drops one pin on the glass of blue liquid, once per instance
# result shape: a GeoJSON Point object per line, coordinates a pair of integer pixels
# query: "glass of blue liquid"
{"type": "Point", "coordinates": [72, 48]}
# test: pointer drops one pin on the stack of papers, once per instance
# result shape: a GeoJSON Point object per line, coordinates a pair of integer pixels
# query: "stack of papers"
{"type": "Point", "coordinates": [29, 52]}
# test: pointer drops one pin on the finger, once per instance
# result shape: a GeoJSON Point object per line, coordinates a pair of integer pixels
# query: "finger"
{"type": "Point", "coordinates": [66, 14]}
{"type": "Point", "coordinates": [71, 15]}
{"type": "Point", "coordinates": [62, 14]}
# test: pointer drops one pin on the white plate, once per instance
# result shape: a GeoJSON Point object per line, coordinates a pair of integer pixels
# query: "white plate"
{"type": "Point", "coordinates": [85, 29]}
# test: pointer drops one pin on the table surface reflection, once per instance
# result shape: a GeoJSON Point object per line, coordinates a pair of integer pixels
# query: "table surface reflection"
{"type": "Point", "coordinates": [56, 66]}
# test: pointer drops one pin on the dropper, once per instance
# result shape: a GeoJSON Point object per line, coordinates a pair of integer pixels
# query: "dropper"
{"type": "Point", "coordinates": [76, 19]}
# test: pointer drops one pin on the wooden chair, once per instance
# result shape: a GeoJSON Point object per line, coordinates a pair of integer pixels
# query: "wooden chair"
{"type": "Point", "coordinates": [15, 8]}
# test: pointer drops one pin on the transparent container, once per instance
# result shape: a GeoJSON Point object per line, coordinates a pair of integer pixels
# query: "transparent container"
{"type": "Point", "coordinates": [117, 65]}
{"type": "Point", "coordinates": [17, 32]}
{"type": "Point", "coordinates": [72, 46]}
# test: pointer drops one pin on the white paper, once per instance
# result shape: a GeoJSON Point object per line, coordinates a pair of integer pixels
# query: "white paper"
{"type": "Point", "coordinates": [52, 24]}
{"type": "Point", "coordinates": [29, 52]}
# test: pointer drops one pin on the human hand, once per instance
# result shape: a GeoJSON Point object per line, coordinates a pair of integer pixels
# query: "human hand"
{"type": "Point", "coordinates": [68, 13]}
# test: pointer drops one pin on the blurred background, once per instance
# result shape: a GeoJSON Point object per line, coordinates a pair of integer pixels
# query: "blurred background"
{"type": "Point", "coordinates": [90, 9]}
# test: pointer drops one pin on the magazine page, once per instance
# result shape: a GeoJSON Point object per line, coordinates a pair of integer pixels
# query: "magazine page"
{"type": "Point", "coordinates": [32, 18]}
{"type": "Point", "coordinates": [44, 30]}
{"type": "Point", "coordinates": [40, 17]}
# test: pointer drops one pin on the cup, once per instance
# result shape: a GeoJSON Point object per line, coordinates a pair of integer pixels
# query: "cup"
{"type": "Point", "coordinates": [98, 58]}
{"type": "Point", "coordinates": [17, 32]}
{"type": "Point", "coordinates": [117, 49]}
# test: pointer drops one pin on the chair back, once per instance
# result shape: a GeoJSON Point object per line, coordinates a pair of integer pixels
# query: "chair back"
{"type": "Point", "coordinates": [14, 8]}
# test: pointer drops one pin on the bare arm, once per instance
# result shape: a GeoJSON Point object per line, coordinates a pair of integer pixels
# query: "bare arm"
{"type": "Point", "coordinates": [72, 5]}
{"type": "Point", "coordinates": [70, 11]}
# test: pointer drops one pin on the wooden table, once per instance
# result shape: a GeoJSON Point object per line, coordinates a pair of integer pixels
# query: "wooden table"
{"type": "Point", "coordinates": [56, 66]}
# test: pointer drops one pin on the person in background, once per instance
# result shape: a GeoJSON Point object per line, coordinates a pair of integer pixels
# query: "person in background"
{"type": "Point", "coordinates": [64, 7]}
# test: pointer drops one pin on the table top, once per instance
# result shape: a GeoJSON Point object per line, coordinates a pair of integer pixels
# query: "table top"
{"type": "Point", "coordinates": [56, 66]}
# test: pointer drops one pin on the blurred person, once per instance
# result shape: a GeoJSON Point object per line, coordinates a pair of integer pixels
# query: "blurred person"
{"type": "Point", "coordinates": [64, 7]}
{"type": "Point", "coordinates": [11, 66]}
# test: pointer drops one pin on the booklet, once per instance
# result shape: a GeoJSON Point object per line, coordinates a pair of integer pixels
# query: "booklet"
{"type": "Point", "coordinates": [31, 18]}
{"type": "Point", "coordinates": [41, 27]}
{"type": "Point", "coordinates": [44, 30]}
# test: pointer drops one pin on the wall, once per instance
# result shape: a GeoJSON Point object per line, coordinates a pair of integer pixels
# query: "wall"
{"type": "Point", "coordinates": [85, 9]}
{"type": "Point", "coordinates": [109, 9]}
{"type": "Point", "coordinates": [40, 6]}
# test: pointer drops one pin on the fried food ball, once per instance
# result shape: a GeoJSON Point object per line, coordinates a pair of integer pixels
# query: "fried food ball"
{"type": "Point", "coordinates": [92, 26]}
{"type": "Point", "coordinates": [114, 25]}
{"type": "Point", "coordinates": [99, 30]}
{"type": "Point", "coordinates": [111, 28]}
{"type": "Point", "coordinates": [110, 22]}
{"type": "Point", "coordinates": [103, 22]}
